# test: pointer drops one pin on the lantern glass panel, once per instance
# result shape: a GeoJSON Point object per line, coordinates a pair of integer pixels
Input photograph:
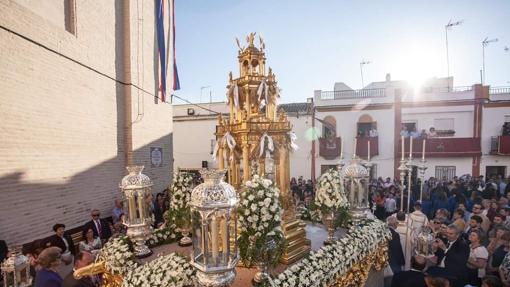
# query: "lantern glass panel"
{"type": "Point", "coordinates": [196, 238]}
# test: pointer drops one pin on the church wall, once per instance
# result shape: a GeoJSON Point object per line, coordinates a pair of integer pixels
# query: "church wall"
{"type": "Point", "coordinates": [62, 143]}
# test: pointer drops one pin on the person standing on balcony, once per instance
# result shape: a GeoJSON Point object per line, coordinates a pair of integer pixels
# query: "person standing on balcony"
{"type": "Point", "coordinates": [404, 132]}
{"type": "Point", "coordinates": [432, 132]}
{"type": "Point", "coordinates": [506, 129]}
{"type": "Point", "coordinates": [373, 132]}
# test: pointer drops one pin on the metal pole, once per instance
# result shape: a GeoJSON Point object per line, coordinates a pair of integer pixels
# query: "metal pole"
{"type": "Point", "coordinates": [483, 63]}
{"type": "Point", "coordinates": [409, 187]}
{"type": "Point", "coordinates": [447, 56]}
{"type": "Point", "coordinates": [361, 68]}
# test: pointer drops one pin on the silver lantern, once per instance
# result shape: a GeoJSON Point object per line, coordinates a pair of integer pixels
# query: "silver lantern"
{"type": "Point", "coordinates": [16, 270]}
{"type": "Point", "coordinates": [136, 188]}
{"type": "Point", "coordinates": [424, 242]}
{"type": "Point", "coordinates": [214, 225]}
{"type": "Point", "coordinates": [355, 178]}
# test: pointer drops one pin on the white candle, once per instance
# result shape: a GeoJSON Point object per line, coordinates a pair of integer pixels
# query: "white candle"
{"type": "Point", "coordinates": [214, 239]}
{"type": "Point", "coordinates": [368, 150]}
{"type": "Point", "coordinates": [341, 148]}
{"type": "Point", "coordinates": [355, 142]}
{"type": "Point", "coordinates": [423, 150]}
{"type": "Point", "coordinates": [402, 147]}
{"type": "Point", "coordinates": [224, 241]}
{"type": "Point", "coordinates": [411, 147]}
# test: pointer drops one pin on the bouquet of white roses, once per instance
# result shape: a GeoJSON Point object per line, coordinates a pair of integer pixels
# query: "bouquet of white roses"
{"type": "Point", "coordinates": [330, 195]}
{"type": "Point", "coordinates": [260, 215]}
{"type": "Point", "coordinates": [118, 256]}
{"type": "Point", "coordinates": [163, 235]}
{"type": "Point", "coordinates": [171, 270]}
{"type": "Point", "coordinates": [180, 196]}
{"type": "Point", "coordinates": [325, 265]}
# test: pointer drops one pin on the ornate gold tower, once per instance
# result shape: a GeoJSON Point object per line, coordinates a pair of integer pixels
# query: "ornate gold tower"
{"type": "Point", "coordinates": [256, 138]}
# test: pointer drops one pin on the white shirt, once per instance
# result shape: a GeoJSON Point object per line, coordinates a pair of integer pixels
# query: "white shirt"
{"type": "Point", "coordinates": [390, 205]}
{"type": "Point", "coordinates": [479, 252]}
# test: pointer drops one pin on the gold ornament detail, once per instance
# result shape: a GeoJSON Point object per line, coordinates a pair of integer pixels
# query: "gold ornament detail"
{"type": "Point", "coordinates": [358, 274]}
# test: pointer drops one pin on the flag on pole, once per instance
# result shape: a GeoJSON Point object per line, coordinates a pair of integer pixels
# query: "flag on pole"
{"type": "Point", "coordinates": [176, 84]}
{"type": "Point", "coordinates": [161, 47]}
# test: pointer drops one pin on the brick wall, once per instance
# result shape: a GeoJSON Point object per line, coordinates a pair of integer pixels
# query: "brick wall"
{"type": "Point", "coordinates": [61, 143]}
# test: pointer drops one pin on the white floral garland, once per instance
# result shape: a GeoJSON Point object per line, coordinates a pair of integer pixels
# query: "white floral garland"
{"type": "Point", "coordinates": [161, 235]}
{"type": "Point", "coordinates": [117, 256]}
{"type": "Point", "coordinates": [330, 194]}
{"type": "Point", "coordinates": [332, 261]}
{"type": "Point", "coordinates": [259, 207]}
{"type": "Point", "coordinates": [165, 271]}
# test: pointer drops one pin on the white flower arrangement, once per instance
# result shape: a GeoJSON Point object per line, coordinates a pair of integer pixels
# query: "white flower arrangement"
{"type": "Point", "coordinates": [163, 235]}
{"type": "Point", "coordinates": [180, 196]}
{"type": "Point", "coordinates": [180, 190]}
{"type": "Point", "coordinates": [332, 261]}
{"type": "Point", "coordinates": [259, 210]}
{"type": "Point", "coordinates": [165, 271]}
{"type": "Point", "coordinates": [118, 256]}
{"type": "Point", "coordinates": [259, 213]}
{"type": "Point", "coordinates": [330, 194]}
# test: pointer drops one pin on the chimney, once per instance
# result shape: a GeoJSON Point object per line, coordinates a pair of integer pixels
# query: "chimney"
{"type": "Point", "coordinates": [388, 77]}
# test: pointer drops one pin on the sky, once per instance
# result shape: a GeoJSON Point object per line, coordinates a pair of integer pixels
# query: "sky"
{"type": "Point", "coordinates": [310, 45]}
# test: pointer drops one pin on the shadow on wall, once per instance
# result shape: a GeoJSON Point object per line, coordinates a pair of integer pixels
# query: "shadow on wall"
{"type": "Point", "coordinates": [29, 209]}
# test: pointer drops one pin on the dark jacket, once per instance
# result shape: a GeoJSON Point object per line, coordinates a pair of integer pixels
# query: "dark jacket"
{"type": "Point", "coordinates": [106, 232]}
{"type": "Point", "coordinates": [70, 281]}
{"type": "Point", "coordinates": [47, 278]}
{"type": "Point", "coordinates": [58, 242]}
{"type": "Point", "coordinates": [455, 261]}
{"type": "Point", "coordinates": [395, 253]}
{"type": "Point", "coordinates": [408, 278]}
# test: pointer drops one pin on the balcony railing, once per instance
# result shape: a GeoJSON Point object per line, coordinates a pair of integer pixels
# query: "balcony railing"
{"type": "Point", "coordinates": [329, 148]}
{"type": "Point", "coordinates": [362, 146]}
{"type": "Point", "coordinates": [353, 94]}
{"type": "Point", "coordinates": [443, 147]}
{"type": "Point", "coordinates": [499, 90]}
{"type": "Point", "coordinates": [500, 145]}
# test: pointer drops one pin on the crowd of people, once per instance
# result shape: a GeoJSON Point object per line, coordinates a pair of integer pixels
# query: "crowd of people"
{"type": "Point", "coordinates": [54, 259]}
{"type": "Point", "coordinates": [469, 218]}
{"type": "Point", "coordinates": [302, 191]}
{"type": "Point", "coordinates": [413, 133]}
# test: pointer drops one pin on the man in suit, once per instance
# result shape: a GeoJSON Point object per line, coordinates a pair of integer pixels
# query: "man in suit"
{"type": "Point", "coordinates": [395, 253]}
{"type": "Point", "coordinates": [100, 226]}
{"type": "Point", "coordinates": [413, 277]}
{"type": "Point", "coordinates": [83, 259]}
{"type": "Point", "coordinates": [453, 255]}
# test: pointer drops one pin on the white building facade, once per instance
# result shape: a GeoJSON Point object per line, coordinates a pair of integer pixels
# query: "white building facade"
{"type": "Point", "coordinates": [467, 120]}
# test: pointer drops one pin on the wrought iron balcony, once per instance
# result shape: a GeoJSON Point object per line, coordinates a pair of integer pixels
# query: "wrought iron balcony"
{"type": "Point", "coordinates": [443, 147]}
{"type": "Point", "coordinates": [329, 148]}
{"type": "Point", "coordinates": [500, 145]}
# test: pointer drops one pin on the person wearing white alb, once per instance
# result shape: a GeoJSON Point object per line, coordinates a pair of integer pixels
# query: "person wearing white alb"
{"type": "Point", "coordinates": [417, 219]}
{"type": "Point", "coordinates": [404, 231]}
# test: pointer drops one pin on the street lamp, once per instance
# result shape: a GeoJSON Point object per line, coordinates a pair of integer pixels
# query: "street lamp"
{"type": "Point", "coordinates": [485, 42]}
{"type": "Point", "coordinates": [446, 28]}
{"type": "Point", "coordinates": [361, 64]}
